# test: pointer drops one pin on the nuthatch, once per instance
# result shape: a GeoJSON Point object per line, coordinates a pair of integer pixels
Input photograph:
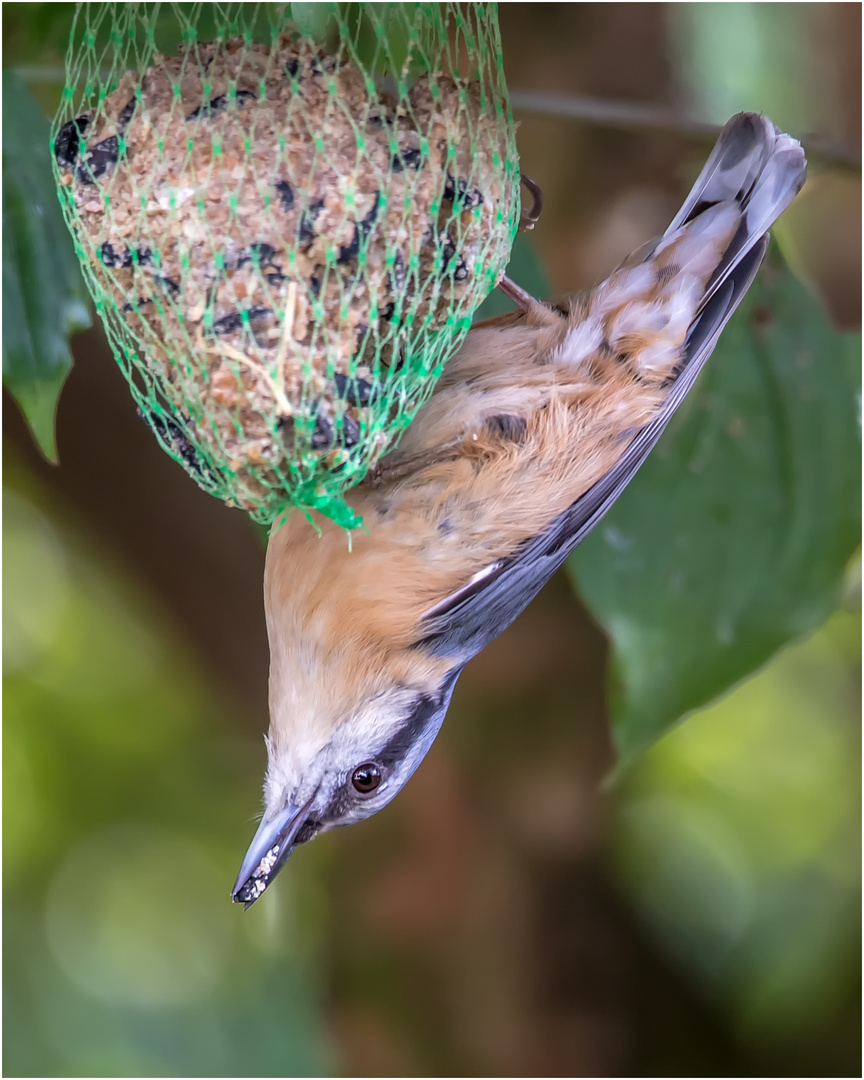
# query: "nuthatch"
{"type": "Point", "coordinates": [535, 428]}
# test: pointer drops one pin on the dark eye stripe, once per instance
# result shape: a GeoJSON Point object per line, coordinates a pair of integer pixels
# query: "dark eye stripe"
{"type": "Point", "coordinates": [397, 745]}
{"type": "Point", "coordinates": [425, 708]}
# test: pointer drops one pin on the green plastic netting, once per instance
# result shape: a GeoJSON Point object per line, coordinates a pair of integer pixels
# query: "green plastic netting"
{"type": "Point", "coordinates": [286, 216]}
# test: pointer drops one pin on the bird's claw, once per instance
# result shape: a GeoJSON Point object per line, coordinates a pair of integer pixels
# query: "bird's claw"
{"type": "Point", "coordinates": [529, 218]}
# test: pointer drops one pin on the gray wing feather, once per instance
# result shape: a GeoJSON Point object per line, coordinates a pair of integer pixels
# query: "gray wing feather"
{"type": "Point", "coordinates": [472, 617]}
{"type": "Point", "coordinates": [754, 164]}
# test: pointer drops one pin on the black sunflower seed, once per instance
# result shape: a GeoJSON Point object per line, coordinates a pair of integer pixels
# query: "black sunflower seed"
{"type": "Point", "coordinates": [115, 258]}
{"type": "Point", "coordinates": [365, 223]}
{"type": "Point", "coordinates": [448, 248]}
{"type": "Point", "coordinates": [261, 254]}
{"type": "Point", "coordinates": [140, 302]}
{"type": "Point", "coordinates": [397, 273]}
{"type": "Point", "coordinates": [219, 104]}
{"type": "Point", "coordinates": [457, 268]}
{"type": "Point", "coordinates": [407, 159]}
{"type": "Point", "coordinates": [322, 435]}
{"type": "Point", "coordinates": [350, 431]}
{"type": "Point", "coordinates": [352, 391]}
{"type": "Point", "coordinates": [97, 161]}
{"type": "Point", "coordinates": [68, 139]}
{"type": "Point", "coordinates": [169, 431]}
{"type": "Point", "coordinates": [228, 323]}
{"type": "Point", "coordinates": [285, 193]}
{"type": "Point", "coordinates": [122, 257]}
{"type": "Point", "coordinates": [125, 114]}
{"type": "Point", "coordinates": [306, 228]}
{"type": "Point", "coordinates": [350, 251]}
{"type": "Point", "coordinates": [234, 320]}
{"type": "Point", "coordinates": [461, 193]}
{"type": "Point", "coordinates": [361, 332]}
{"type": "Point", "coordinates": [171, 287]}
{"type": "Point", "coordinates": [361, 228]}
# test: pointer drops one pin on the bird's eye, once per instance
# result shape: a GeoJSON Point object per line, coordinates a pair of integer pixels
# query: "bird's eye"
{"type": "Point", "coordinates": [366, 778]}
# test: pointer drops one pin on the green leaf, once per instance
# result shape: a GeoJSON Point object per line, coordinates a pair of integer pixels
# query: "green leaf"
{"type": "Point", "coordinates": [44, 299]}
{"type": "Point", "coordinates": [314, 20]}
{"type": "Point", "coordinates": [734, 537]}
{"type": "Point", "coordinates": [37, 33]}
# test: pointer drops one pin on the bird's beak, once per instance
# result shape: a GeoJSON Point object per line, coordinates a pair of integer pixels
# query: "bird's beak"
{"type": "Point", "coordinates": [270, 847]}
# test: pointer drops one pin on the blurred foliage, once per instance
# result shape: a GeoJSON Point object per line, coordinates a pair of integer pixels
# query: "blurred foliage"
{"type": "Point", "coordinates": [44, 298]}
{"type": "Point", "coordinates": [783, 59]}
{"type": "Point", "coordinates": [739, 839]}
{"type": "Point", "coordinates": [37, 33]}
{"type": "Point", "coordinates": [126, 802]}
{"type": "Point", "coordinates": [820, 236]}
{"type": "Point", "coordinates": [735, 536]}
{"type": "Point", "coordinates": [725, 66]}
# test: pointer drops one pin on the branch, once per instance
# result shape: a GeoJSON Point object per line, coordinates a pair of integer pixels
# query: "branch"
{"type": "Point", "coordinates": [638, 116]}
{"type": "Point", "coordinates": [624, 115]}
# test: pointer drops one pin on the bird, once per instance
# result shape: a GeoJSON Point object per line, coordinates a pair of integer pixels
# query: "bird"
{"type": "Point", "coordinates": [534, 429]}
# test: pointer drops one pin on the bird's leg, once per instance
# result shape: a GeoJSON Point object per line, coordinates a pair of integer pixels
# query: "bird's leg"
{"type": "Point", "coordinates": [517, 294]}
{"type": "Point", "coordinates": [527, 221]}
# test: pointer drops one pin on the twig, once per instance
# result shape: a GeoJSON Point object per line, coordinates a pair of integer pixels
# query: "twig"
{"type": "Point", "coordinates": [625, 115]}
{"type": "Point", "coordinates": [228, 351]}
{"type": "Point", "coordinates": [287, 334]}
{"type": "Point", "coordinates": [637, 116]}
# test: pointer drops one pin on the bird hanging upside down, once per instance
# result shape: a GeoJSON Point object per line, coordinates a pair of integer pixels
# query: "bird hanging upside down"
{"type": "Point", "coordinates": [535, 428]}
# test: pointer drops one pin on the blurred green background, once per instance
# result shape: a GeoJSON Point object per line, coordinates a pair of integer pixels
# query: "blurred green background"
{"type": "Point", "coordinates": [511, 913]}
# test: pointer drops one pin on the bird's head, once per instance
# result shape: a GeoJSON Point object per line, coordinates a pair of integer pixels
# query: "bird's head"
{"type": "Point", "coordinates": [353, 712]}
{"type": "Point", "coordinates": [341, 779]}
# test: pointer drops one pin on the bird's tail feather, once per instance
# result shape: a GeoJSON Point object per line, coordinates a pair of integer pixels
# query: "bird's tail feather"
{"type": "Point", "coordinates": [755, 165]}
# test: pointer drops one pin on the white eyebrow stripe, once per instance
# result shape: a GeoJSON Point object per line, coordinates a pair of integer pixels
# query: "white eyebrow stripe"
{"type": "Point", "coordinates": [454, 597]}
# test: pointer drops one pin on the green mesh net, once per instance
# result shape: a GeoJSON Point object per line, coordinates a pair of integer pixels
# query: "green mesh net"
{"type": "Point", "coordinates": [286, 215]}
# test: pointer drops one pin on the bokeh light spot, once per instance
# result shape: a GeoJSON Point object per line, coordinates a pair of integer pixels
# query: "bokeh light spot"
{"type": "Point", "coordinates": [108, 918]}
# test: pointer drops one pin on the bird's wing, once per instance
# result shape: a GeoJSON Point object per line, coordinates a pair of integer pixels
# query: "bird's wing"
{"type": "Point", "coordinates": [467, 620]}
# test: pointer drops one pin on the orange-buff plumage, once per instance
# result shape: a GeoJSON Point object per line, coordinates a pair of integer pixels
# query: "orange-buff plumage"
{"type": "Point", "coordinates": [535, 428]}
